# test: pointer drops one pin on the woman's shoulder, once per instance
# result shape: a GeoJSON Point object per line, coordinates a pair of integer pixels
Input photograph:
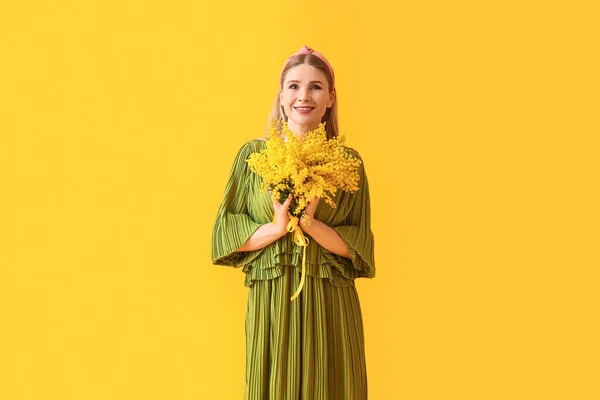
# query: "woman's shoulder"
{"type": "Point", "coordinates": [353, 152]}
{"type": "Point", "coordinates": [257, 141]}
{"type": "Point", "coordinates": [251, 146]}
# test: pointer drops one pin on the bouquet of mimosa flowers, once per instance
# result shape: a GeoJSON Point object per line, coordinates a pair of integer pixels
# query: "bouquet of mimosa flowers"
{"type": "Point", "coordinates": [306, 166]}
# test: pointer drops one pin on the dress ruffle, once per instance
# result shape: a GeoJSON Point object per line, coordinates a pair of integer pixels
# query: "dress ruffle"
{"type": "Point", "coordinates": [269, 264]}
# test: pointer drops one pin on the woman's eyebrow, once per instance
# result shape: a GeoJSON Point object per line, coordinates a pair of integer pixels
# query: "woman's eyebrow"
{"type": "Point", "coordinates": [308, 82]}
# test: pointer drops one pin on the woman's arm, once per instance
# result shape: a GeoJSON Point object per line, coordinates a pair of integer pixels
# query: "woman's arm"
{"type": "Point", "coordinates": [323, 234]}
{"type": "Point", "coordinates": [263, 236]}
{"type": "Point", "coordinates": [327, 237]}
{"type": "Point", "coordinates": [268, 233]}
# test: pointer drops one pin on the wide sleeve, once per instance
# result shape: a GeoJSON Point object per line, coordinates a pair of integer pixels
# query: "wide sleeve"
{"type": "Point", "coordinates": [356, 232]}
{"type": "Point", "coordinates": [233, 225]}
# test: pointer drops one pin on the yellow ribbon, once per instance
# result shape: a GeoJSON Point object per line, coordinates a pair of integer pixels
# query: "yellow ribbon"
{"type": "Point", "coordinates": [300, 240]}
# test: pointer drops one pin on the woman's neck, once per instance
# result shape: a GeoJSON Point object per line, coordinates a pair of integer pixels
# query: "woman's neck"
{"type": "Point", "coordinates": [299, 130]}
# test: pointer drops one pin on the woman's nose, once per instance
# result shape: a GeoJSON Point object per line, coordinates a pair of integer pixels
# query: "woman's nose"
{"type": "Point", "coordinates": [303, 94]}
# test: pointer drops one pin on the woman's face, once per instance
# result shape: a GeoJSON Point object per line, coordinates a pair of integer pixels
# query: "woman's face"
{"type": "Point", "coordinates": [305, 97]}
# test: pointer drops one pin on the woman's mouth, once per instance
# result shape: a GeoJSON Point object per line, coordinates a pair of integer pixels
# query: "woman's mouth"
{"type": "Point", "coordinates": [304, 110]}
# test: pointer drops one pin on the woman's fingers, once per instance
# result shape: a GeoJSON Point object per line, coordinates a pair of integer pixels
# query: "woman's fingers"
{"type": "Point", "coordinates": [287, 202]}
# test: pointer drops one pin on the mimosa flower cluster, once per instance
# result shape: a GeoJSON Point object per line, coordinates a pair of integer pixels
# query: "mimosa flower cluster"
{"type": "Point", "coordinates": [306, 166]}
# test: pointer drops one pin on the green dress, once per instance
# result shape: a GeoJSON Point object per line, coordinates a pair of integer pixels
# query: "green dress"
{"type": "Point", "coordinates": [311, 348]}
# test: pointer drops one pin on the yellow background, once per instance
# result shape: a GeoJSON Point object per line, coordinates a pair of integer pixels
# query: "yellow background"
{"type": "Point", "coordinates": [478, 125]}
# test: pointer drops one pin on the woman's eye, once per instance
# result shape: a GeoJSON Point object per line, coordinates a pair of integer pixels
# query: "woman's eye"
{"type": "Point", "coordinates": [294, 86]}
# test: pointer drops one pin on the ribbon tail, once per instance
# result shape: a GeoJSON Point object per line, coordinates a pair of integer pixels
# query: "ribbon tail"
{"type": "Point", "coordinates": [303, 275]}
{"type": "Point", "coordinates": [300, 240]}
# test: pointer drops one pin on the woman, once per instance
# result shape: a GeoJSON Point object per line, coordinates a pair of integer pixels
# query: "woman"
{"type": "Point", "coordinates": [311, 348]}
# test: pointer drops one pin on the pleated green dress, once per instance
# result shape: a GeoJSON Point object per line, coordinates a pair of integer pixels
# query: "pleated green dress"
{"type": "Point", "coordinates": [311, 348]}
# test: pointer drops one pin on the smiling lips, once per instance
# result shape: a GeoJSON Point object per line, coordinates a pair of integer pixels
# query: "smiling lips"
{"type": "Point", "coordinates": [304, 110]}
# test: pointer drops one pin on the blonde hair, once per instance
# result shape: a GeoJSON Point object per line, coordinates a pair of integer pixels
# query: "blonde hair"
{"type": "Point", "coordinates": [330, 116]}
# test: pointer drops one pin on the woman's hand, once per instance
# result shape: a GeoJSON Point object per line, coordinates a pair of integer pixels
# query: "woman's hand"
{"type": "Point", "coordinates": [310, 211]}
{"type": "Point", "coordinates": [281, 214]}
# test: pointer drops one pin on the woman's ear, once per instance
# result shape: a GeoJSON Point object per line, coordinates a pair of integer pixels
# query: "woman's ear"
{"type": "Point", "coordinates": [331, 99]}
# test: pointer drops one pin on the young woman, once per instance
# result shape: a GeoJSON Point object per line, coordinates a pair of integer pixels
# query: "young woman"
{"type": "Point", "coordinates": [311, 348]}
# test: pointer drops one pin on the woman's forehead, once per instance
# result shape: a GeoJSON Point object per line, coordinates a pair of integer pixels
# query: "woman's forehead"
{"type": "Point", "coordinates": [305, 72]}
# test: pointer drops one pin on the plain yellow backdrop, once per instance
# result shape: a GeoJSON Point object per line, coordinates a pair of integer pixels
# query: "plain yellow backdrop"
{"type": "Point", "coordinates": [478, 125]}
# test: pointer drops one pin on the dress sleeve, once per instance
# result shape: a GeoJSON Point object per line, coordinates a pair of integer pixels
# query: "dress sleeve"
{"type": "Point", "coordinates": [233, 225]}
{"type": "Point", "coordinates": [356, 232]}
